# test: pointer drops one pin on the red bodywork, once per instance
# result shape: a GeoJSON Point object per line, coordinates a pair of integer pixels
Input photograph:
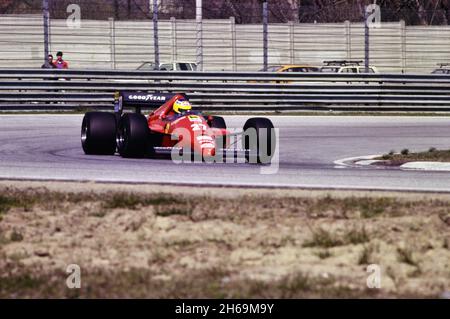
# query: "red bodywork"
{"type": "Point", "coordinates": [188, 131]}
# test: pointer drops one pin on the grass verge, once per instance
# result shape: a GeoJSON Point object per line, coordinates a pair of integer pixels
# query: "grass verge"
{"type": "Point", "coordinates": [405, 156]}
{"type": "Point", "coordinates": [277, 245]}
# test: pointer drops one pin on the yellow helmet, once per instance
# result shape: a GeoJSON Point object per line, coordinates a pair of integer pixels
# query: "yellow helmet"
{"type": "Point", "coordinates": [181, 106]}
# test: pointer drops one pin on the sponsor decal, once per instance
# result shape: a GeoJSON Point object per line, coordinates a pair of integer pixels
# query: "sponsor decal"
{"type": "Point", "coordinates": [147, 97]}
{"type": "Point", "coordinates": [198, 127]}
{"type": "Point", "coordinates": [207, 145]}
{"type": "Point", "coordinates": [195, 118]}
{"type": "Point", "coordinates": [204, 138]}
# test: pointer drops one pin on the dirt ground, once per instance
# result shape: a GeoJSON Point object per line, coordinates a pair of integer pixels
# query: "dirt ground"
{"type": "Point", "coordinates": [150, 241]}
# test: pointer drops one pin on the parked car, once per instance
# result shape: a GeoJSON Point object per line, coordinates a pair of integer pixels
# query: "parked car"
{"type": "Point", "coordinates": [292, 68]}
{"type": "Point", "coordinates": [178, 66]}
{"type": "Point", "coordinates": [170, 66]}
{"type": "Point", "coordinates": [147, 66]}
{"type": "Point", "coordinates": [444, 68]}
{"type": "Point", "coordinates": [289, 68]}
{"type": "Point", "coordinates": [346, 66]}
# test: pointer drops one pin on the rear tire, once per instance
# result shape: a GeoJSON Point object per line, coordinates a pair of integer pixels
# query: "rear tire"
{"type": "Point", "coordinates": [133, 136]}
{"type": "Point", "coordinates": [218, 122]}
{"type": "Point", "coordinates": [259, 138]}
{"type": "Point", "coordinates": [98, 133]}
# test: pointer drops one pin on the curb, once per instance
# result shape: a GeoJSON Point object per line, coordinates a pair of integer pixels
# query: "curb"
{"type": "Point", "coordinates": [351, 161]}
{"type": "Point", "coordinates": [427, 166]}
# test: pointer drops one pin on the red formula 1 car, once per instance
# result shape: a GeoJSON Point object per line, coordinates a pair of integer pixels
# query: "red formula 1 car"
{"type": "Point", "coordinates": [173, 128]}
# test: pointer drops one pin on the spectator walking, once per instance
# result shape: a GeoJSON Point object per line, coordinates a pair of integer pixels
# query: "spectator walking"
{"type": "Point", "coordinates": [49, 64]}
{"type": "Point", "coordinates": [60, 63]}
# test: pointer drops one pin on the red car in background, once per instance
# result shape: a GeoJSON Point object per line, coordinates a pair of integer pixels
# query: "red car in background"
{"type": "Point", "coordinates": [173, 128]}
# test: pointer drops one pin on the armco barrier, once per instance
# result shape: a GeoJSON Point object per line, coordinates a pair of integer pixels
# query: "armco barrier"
{"type": "Point", "coordinates": [33, 89]}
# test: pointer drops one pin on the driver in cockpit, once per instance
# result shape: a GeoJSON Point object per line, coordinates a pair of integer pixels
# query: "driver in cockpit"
{"type": "Point", "coordinates": [179, 108]}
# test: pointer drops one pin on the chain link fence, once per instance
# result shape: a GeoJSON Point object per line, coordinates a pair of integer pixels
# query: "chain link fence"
{"type": "Point", "coordinates": [122, 43]}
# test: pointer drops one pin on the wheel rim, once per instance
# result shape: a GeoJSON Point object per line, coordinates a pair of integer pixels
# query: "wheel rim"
{"type": "Point", "coordinates": [84, 133]}
{"type": "Point", "coordinates": [121, 137]}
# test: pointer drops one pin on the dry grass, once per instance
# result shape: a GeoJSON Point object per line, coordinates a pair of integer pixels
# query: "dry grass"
{"type": "Point", "coordinates": [405, 156]}
{"type": "Point", "coordinates": [137, 244]}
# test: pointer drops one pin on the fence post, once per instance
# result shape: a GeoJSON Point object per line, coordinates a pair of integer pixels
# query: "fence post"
{"type": "Point", "coordinates": [173, 24]}
{"type": "Point", "coordinates": [291, 41]}
{"type": "Point", "coordinates": [403, 42]}
{"type": "Point", "coordinates": [233, 44]}
{"type": "Point", "coordinates": [50, 36]}
{"type": "Point", "coordinates": [366, 41]}
{"type": "Point", "coordinates": [155, 33]}
{"type": "Point", "coordinates": [348, 37]}
{"type": "Point", "coordinates": [112, 42]}
{"type": "Point", "coordinates": [199, 44]}
{"type": "Point", "coordinates": [265, 34]}
{"type": "Point", "coordinates": [46, 17]}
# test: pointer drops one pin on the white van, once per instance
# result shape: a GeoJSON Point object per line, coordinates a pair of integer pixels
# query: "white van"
{"type": "Point", "coordinates": [178, 66]}
{"type": "Point", "coordinates": [345, 66]}
{"type": "Point", "coordinates": [170, 66]}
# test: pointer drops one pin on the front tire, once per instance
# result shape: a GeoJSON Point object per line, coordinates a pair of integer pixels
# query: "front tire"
{"type": "Point", "coordinates": [133, 136]}
{"type": "Point", "coordinates": [98, 133]}
{"type": "Point", "coordinates": [260, 140]}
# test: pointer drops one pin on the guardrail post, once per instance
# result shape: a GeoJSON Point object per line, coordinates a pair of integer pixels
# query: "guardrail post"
{"type": "Point", "coordinates": [291, 41]}
{"type": "Point", "coordinates": [348, 37]}
{"type": "Point", "coordinates": [173, 24]}
{"type": "Point", "coordinates": [112, 42]}
{"type": "Point", "coordinates": [233, 44]}
{"type": "Point", "coordinates": [403, 44]}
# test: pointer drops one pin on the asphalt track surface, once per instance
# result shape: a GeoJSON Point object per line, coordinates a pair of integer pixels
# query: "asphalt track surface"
{"type": "Point", "coordinates": [48, 147]}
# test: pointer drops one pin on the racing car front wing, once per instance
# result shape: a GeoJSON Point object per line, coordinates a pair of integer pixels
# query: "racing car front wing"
{"type": "Point", "coordinates": [222, 153]}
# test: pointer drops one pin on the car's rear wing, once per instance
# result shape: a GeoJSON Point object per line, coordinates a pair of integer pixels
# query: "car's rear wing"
{"type": "Point", "coordinates": [139, 100]}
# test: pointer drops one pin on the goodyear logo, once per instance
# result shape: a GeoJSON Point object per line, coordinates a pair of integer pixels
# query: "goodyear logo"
{"type": "Point", "coordinates": [145, 98]}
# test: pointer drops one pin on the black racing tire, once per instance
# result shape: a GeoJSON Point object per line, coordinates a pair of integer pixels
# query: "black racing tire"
{"type": "Point", "coordinates": [218, 122]}
{"type": "Point", "coordinates": [133, 136]}
{"type": "Point", "coordinates": [260, 139]}
{"type": "Point", "coordinates": [98, 133]}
